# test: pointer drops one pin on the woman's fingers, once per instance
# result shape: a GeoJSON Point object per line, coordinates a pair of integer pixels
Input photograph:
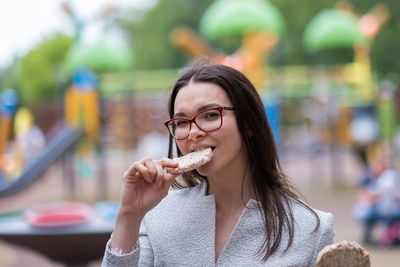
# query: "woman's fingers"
{"type": "Point", "coordinates": [135, 170]}
{"type": "Point", "coordinates": [152, 171]}
{"type": "Point", "coordinates": [146, 182]}
{"type": "Point", "coordinates": [168, 163]}
{"type": "Point", "coordinates": [140, 170]}
{"type": "Point", "coordinates": [160, 175]}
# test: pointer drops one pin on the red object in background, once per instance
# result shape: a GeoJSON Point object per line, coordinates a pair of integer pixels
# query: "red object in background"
{"type": "Point", "coordinates": [58, 214]}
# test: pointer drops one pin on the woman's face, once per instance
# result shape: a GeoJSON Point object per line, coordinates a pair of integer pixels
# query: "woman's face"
{"type": "Point", "coordinates": [226, 142]}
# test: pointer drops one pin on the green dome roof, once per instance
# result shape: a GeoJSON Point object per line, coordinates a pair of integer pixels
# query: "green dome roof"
{"type": "Point", "coordinates": [99, 57]}
{"type": "Point", "coordinates": [332, 28]}
{"type": "Point", "coordinates": [234, 17]}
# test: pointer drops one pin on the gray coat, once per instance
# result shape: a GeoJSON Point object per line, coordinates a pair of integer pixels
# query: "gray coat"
{"type": "Point", "coordinates": [180, 231]}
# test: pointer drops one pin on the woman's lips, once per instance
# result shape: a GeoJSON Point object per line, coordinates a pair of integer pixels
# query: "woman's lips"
{"type": "Point", "coordinates": [202, 148]}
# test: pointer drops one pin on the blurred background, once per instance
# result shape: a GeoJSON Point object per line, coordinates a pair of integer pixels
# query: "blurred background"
{"type": "Point", "coordinates": [83, 93]}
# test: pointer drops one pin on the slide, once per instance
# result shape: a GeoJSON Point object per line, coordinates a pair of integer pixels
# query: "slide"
{"type": "Point", "coordinates": [59, 144]}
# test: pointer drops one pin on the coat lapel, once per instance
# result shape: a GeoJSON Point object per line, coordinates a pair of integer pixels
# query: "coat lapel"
{"type": "Point", "coordinates": [193, 224]}
{"type": "Point", "coordinates": [247, 232]}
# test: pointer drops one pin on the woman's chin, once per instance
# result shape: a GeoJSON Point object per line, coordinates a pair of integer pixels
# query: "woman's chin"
{"type": "Point", "coordinates": [205, 170]}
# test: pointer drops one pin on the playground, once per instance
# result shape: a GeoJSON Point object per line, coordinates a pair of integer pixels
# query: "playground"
{"type": "Point", "coordinates": [63, 153]}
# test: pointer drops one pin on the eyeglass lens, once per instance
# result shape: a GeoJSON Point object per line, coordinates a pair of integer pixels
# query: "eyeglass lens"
{"type": "Point", "coordinates": [207, 121]}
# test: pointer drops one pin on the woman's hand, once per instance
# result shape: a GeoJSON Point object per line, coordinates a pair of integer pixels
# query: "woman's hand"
{"type": "Point", "coordinates": [145, 184]}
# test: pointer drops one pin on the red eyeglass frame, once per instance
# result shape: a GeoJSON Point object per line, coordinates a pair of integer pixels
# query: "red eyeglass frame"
{"type": "Point", "coordinates": [193, 120]}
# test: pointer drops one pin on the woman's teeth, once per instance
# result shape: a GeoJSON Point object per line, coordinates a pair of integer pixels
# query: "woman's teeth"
{"type": "Point", "coordinates": [202, 148]}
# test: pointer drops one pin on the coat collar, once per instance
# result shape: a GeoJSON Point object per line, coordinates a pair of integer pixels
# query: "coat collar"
{"type": "Point", "coordinates": [249, 223]}
{"type": "Point", "coordinates": [202, 187]}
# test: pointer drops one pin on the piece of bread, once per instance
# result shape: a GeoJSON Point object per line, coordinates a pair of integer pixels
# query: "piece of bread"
{"type": "Point", "coordinates": [192, 161]}
{"type": "Point", "coordinates": [343, 254]}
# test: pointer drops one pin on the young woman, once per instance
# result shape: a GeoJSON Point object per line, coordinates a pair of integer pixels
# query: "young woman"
{"type": "Point", "coordinates": [239, 209]}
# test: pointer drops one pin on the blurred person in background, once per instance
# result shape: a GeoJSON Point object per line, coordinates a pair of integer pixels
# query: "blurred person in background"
{"type": "Point", "coordinates": [379, 201]}
{"type": "Point", "coordinates": [239, 209]}
{"type": "Point", "coordinates": [29, 142]}
{"type": "Point", "coordinates": [30, 139]}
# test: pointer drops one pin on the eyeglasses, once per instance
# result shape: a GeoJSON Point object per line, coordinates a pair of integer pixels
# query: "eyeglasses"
{"type": "Point", "coordinates": [208, 120]}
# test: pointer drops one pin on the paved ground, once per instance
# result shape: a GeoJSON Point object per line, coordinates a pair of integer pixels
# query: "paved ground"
{"type": "Point", "coordinates": [338, 197]}
{"type": "Point", "coordinates": [312, 175]}
{"type": "Point", "coordinates": [339, 201]}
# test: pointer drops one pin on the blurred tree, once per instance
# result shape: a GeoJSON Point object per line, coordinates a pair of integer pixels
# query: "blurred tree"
{"type": "Point", "coordinates": [41, 70]}
{"type": "Point", "coordinates": [385, 49]}
{"type": "Point", "coordinates": [150, 31]}
{"type": "Point", "coordinates": [9, 75]}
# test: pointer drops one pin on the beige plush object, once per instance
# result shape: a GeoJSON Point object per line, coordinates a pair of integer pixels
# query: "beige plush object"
{"type": "Point", "coordinates": [192, 161]}
{"type": "Point", "coordinates": [343, 254]}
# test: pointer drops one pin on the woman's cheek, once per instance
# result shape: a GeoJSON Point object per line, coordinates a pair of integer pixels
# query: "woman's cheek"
{"type": "Point", "coordinates": [181, 145]}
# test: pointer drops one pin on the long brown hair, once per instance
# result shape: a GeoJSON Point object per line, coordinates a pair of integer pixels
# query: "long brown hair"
{"type": "Point", "coordinates": [273, 190]}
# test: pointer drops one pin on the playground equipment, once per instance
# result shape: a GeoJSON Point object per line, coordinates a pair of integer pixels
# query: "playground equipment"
{"type": "Point", "coordinates": [82, 103]}
{"type": "Point", "coordinates": [81, 119]}
{"type": "Point", "coordinates": [343, 27]}
{"type": "Point", "coordinates": [99, 55]}
{"type": "Point", "coordinates": [79, 133]}
{"type": "Point", "coordinates": [8, 105]}
{"type": "Point", "coordinates": [52, 151]}
{"type": "Point", "coordinates": [28, 141]}
{"type": "Point", "coordinates": [13, 165]}
{"type": "Point", "coordinates": [30, 156]}
{"type": "Point", "coordinates": [82, 111]}
{"type": "Point", "coordinates": [62, 228]}
{"type": "Point", "coordinates": [362, 104]}
{"type": "Point", "coordinates": [84, 59]}
{"type": "Point", "coordinates": [258, 23]}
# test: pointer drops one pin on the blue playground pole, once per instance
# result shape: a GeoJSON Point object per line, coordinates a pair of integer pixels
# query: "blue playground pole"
{"type": "Point", "coordinates": [8, 105]}
{"type": "Point", "coordinates": [272, 108]}
{"type": "Point", "coordinates": [9, 101]}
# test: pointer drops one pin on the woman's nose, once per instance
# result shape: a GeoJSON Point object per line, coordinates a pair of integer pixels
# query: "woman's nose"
{"type": "Point", "coordinates": [195, 132]}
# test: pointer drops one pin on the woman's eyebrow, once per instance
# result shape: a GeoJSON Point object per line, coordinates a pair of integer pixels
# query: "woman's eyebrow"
{"type": "Point", "coordinates": [200, 109]}
{"type": "Point", "coordinates": [212, 105]}
{"type": "Point", "coordinates": [179, 114]}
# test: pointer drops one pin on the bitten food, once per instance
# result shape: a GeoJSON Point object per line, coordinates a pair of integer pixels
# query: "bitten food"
{"type": "Point", "coordinates": [345, 253]}
{"type": "Point", "coordinates": [192, 161]}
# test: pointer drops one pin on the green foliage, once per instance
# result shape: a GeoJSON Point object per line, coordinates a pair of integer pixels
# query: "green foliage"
{"type": "Point", "coordinates": [9, 76]}
{"type": "Point", "coordinates": [150, 32]}
{"type": "Point", "coordinates": [385, 49]}
{"type": "Point", "coordinates": [40, 69]}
